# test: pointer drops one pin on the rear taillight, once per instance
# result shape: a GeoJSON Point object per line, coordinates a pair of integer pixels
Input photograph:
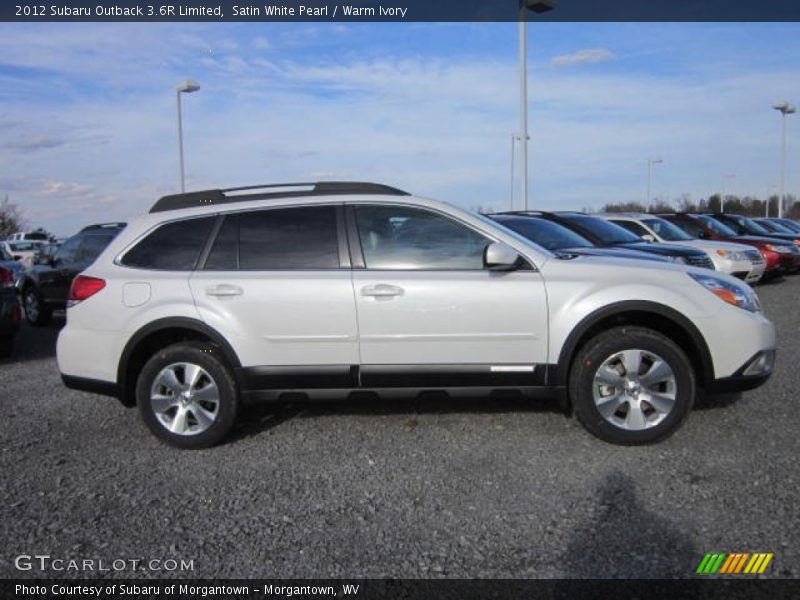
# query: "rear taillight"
{"type": "Point", "coordinates": [6, 278]}
{"type": "Point", "coordinates": [84, 287]}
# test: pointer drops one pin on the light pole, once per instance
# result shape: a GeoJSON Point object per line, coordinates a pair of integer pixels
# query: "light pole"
{"type": "Point", "coordinates": [537, 6]}
{"type": "Point", "coordinates": [650, 163]}
{"type": "Point", "coordinates": [785, 109]}
{"type": "Point", "coordinates": [766, 204]}
{"type": "Point", "coordinates": [185, 87]}
{"type": "Point", "coordinates": [722, 195]}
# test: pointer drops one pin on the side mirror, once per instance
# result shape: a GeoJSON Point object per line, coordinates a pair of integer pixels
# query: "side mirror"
{"type": "Point", "coordinates": [499, 257]}
{"type": "Point", "coordinates": [648, 237]}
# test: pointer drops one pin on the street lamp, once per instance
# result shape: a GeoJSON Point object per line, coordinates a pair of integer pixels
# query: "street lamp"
{"type": "Point", "coordinates": [785, 109]}
{"type": "Point", "coordinates": [650, 163]}
{"type": "Point", "coordinates": [185, 87]}
{"type": "Point", "coordinates": [537, 6]}
{"type": "Point", "coordinates": [722, 195]}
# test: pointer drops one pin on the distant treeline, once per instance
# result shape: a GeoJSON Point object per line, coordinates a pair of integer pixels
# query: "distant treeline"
{"type": "Point", "coordinates": [748, 205]}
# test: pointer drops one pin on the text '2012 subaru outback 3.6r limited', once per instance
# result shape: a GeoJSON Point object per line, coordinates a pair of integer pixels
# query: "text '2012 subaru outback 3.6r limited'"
{"type": "Point", "coordinates": [231, 296]}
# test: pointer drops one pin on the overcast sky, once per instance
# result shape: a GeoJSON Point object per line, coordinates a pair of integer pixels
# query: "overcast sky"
{"type": "Point", "coordinates": [88, 134]}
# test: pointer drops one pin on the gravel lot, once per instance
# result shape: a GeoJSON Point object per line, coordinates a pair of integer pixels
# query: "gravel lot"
{"type": "Point", "coordinates": [419, 488]}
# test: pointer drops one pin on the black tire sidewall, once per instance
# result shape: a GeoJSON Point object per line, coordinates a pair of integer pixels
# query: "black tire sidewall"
{"type": "Point", "coordinates": [44, 316]}
{"type": "Point", "coordinates": [598, 350]}
{"type": "Point", "coordinates": [208, 357]}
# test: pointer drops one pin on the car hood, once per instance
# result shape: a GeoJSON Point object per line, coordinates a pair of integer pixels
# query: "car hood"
{"type": "Point", "coordinates": [612, 252]}
{"type": "Point", "coordinates": [761, 239]}
{"type": "Point", "coordinates": [662, 249]}
{"type": "Point", "coordinates": [711, 246]}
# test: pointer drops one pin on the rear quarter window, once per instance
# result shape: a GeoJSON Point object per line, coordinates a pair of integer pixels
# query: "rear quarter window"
{"type": "Point", "coordinates": [171, 247]}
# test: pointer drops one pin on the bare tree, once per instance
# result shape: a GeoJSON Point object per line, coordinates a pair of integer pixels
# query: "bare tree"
{"type": "Point", "coordinates": [10, 218]}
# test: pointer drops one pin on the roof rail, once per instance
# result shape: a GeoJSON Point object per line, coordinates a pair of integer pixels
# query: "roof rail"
{"type": "Point", "coordinates": [274, 190]}
{"type": "Point", "coordinates": [104, 226]}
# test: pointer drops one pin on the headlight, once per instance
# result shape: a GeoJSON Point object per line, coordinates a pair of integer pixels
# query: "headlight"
{"type": "Point", "coordinates": [677, 260]}
{"type": "Point", "coordinates": [732, 293]}
{"type": "Point", "coordinates": [780, 249]}
{"type": "Point", "coordinates": [736, 255]}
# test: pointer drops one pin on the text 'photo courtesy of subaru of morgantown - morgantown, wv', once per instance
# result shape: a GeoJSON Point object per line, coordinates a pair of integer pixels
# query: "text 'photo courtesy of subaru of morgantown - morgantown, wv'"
{"type": "Point", "coordinates": [222, 298]}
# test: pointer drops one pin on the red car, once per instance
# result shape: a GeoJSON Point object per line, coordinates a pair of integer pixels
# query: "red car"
{"type": "Point", "coordinates": [780, 256]}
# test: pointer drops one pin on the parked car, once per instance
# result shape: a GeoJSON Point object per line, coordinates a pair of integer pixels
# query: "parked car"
{"type": "Point", "coordinates": [45, 287]}
{"type": "Point", "coordinates": [22, 236]}
{"type": "Point", "coordinates": [790, 224]}
{"type": "Point", "coordinates": [780, 257]}
{"type": "Point", "coordinates": [747, 226]}
{"type": "Point", "coordinates": [223, 296]}
{"type": "Point", "coordinates": [775, 226]}
{"type": "Point", "coordinates": [738, 260]}
{"type": "Point", "coordinates": [10, 313]}
{"type": "Point", "coordinates": [22, 251]}
{"type": "Point", "coordinates": [559, 239]}
{"type": "Point", "coordinates": [7, 261]}
{"type": "Point", "coordinates": [608, 235]}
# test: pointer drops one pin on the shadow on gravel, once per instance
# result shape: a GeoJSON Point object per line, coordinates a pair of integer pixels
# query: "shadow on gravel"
{"type": "Point", "coordinates": [706, 402]}
{"type": "Point", "coordinates": [34, 343]}
{"type": "Point", "coordinates": [624, 539]}
{"type": "Point", "coordinates": [262, 417]}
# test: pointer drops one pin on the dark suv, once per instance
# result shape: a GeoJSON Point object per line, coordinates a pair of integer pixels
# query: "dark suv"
{"type": "Point", "coordinates": [45, 287]}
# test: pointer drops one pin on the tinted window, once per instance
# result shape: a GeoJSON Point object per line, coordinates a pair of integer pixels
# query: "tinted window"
{"type": "Point", "coordinates": [545, 233]}
{"type": "Point", "coordinates": [633, 227]}
{"type": "Point", "coordinates": [91, 246]}
{"type": "Point", "coordinates": [224, 255]}
{"type": "Point", "coordinates": [66, 253]}
{"type": "Point", "coordinates": [173, 246]}
{"type": "Point", "coordinates": [666, 230]}
{"type": "Point", "coordinates": [689, 227]}
{"type": "Point", "coordinates": [289, 238]}
{"type": "Point", "coordinates": [396, 237]}
{"type": "Point", "coordinates": [602, 230]}
{"type": "Point", "coordinates": [716, 226]}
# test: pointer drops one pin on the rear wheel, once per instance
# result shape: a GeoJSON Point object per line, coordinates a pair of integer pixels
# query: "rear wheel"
{"type": "Point", "coordinates": [187, 395]}
{"type": "Point", "coordinates": [36, 313]}
{"type": "Point", "coordinates": [631, 385]}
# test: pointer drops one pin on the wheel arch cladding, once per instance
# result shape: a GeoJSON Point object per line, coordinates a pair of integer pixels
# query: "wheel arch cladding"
{"type": "Point", "coordinates": [651, 315]}
{"type": "Point", "coordinates": [160, 334]}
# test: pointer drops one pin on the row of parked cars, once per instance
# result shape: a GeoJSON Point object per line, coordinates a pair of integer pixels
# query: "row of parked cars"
{"type": "Point", "coordinates": [223, 297]}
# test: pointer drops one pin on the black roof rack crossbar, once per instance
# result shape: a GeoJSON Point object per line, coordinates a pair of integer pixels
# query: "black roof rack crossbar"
{"type": "Point", "coordinates": [273, 190]}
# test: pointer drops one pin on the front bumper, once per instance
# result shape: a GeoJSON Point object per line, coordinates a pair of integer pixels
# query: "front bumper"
{"type": "Point", "coordinates": [752, 374]}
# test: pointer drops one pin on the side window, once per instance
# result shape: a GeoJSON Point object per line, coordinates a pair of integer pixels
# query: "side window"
{"type": "Point", "coordinates": [172, 247]}
{"type": "Point", "coordinates": [289, 238]}
{"type": "Point", "coordinates": [224, 255]}
{"type": "Point", "coordinates": [402, 238]}
{"type": "Point", "coordinates": [633, 227]}
{"type": "Point", "coordinates": [689, 227]}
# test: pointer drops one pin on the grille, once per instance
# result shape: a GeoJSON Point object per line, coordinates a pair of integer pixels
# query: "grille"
{"type": "Point", "coordinates": [755, 257]}
{"type": "Point", "coordinates": [700, 261]}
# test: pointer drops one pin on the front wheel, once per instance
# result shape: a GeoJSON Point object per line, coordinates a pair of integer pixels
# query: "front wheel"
{"type": "Point", "coordinates": [631, 385]}
{"type": "Point", "coordinates": [187, 395]}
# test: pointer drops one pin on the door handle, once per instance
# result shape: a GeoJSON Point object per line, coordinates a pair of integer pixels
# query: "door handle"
{"type": "Point", "coordinates": [382, 290]}
{"type": "Point", "coordinates": [224, 290]}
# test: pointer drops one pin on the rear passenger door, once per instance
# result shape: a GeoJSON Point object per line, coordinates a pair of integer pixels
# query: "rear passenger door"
{"type": "Point", "coordinates": [276, 283]}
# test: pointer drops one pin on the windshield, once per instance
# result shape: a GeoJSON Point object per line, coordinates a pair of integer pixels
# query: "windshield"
{"type": "Point", "coordinates": [666, 230]}
{"type": "Point", "coordinates": [545, 233]}
{"type": "Point", "coordinates": [777, 227]}
{"type": "Point", "coordinates": [603, 231]}
{"type": "Point", "coordinates": [789, 224]}
{"type": "Point", "coordinates": [716, 226]}
{"type": "Point", "coordinates": [752, 227]}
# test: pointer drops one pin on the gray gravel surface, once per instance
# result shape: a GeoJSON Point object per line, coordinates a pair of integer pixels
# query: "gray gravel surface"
{"type": "Point", "coordinates": [411, 488]}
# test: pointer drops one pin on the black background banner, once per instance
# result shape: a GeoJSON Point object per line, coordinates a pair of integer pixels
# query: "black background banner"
{"type": "Point", "coordinates": [396, 10]}
{"type": "Point", "coordinates": [743, 587]}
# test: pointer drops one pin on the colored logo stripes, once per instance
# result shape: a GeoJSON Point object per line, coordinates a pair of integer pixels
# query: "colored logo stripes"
{"type": "Point", "coordinates": [734, 563]}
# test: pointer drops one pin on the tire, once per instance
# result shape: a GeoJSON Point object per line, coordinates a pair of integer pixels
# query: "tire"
{"type": "Point", "coordinates": [36, 313]}
{"type": "Point", "coordinates": [178, 412]}
{"type": "Point", "coordinates": [642, 408]}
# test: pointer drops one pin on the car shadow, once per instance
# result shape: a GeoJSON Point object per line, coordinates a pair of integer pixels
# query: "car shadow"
{"type": "Point", "coordinates": [34, 343]}
{"type": "Point", "coordinates": [258, 418]}
{"type": "Point", "coordinates": [712, 401]}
